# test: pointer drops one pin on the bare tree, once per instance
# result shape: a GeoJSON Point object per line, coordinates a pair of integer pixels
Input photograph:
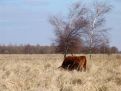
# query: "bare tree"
{"type": "Point", "coordinates": [85, 23]}
{"type": "Point", "coordinates": [69, 30]}
{"type": "Point", "coordinates": [95, 28]}
{"type": "Point", "coordinates": [114, 49]}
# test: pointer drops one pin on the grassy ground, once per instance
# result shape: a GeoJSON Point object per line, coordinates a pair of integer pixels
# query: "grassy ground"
{"type": "Point", "coordinates": [40, 73]}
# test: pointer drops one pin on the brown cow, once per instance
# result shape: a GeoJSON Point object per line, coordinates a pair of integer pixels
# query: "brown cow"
{"type": "Point", "coordinates": [74, 62]}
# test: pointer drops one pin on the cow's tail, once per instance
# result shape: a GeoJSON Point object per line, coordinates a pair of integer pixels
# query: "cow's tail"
{"type": "Point", "coordinates": [59, 67]}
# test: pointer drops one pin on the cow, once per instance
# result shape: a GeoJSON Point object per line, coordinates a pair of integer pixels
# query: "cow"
{"type": "Point", "coordinates": [74, 62]}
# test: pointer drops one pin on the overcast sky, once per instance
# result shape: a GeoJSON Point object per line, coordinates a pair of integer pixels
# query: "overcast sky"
{"type": "Point", "coordinates": [26, 21]}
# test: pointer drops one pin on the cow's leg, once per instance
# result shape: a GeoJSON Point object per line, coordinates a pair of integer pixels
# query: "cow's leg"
{"type": "Point", "coordinates": [78, 68]}
{"type": "Point", "coordinates": [84, 66]}
{"type": "Point", "coordinates": [68, 67]}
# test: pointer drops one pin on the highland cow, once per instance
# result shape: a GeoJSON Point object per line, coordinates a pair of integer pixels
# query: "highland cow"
{"type": "Point", "coordinates": [74, 62]}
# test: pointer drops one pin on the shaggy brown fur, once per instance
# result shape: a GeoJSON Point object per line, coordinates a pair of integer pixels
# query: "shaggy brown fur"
{"type": "Point", "coordinates": [74, 62]}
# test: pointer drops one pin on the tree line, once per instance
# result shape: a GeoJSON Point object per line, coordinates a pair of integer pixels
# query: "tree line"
{"type": "Point", "coordinates": [38, 49]}
{"type": "Point", "coordinates": [25, 49]}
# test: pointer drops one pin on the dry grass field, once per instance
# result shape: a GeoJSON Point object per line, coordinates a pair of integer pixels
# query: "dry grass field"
{"type": "Point", "coordinates": [40, 73]}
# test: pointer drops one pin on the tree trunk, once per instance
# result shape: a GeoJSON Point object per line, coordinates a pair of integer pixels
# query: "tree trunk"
{"type": "Point", "coordinates": [90, 52]}
{"type": "Point", "coordinates": [66, 51]}
{"type": "Point", "coordinates": [90, 48]}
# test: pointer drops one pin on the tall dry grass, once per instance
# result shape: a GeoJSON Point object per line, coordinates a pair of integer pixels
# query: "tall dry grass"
{"type": "Point", "coordinates": [40, 73]}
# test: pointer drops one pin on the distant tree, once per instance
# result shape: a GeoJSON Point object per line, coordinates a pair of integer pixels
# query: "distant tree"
{"type": "Point", "coordinates": [114, 49]}
{"type": "Point", "coordinates": [27, 49]}
{"type": "Point", "coordinates": [68, 31]}
{"type": "Point", "coordinates": [104, 46]}
{"type": "Point", "coordinates": [95, 28]}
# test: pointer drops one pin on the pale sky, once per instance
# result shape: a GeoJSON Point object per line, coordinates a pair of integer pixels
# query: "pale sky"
{"type": "Point", "coordinates": [26, 21]}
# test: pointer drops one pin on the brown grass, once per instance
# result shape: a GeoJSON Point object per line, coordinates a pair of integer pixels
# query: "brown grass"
{"type": "Point", "coordinates": [40, 73]}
